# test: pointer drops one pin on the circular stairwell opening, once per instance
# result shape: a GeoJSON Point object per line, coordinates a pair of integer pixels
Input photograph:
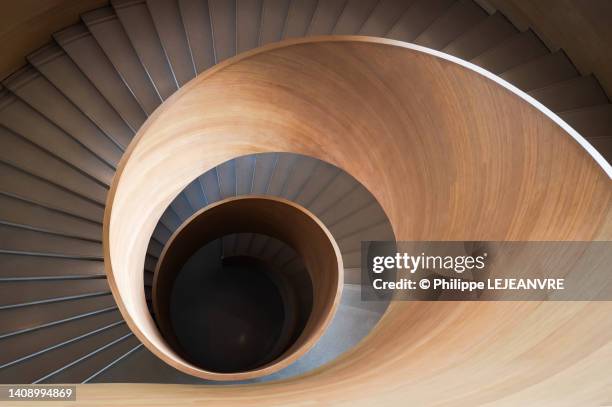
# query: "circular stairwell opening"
{"type": "Point", "coordinates": [247, 311]}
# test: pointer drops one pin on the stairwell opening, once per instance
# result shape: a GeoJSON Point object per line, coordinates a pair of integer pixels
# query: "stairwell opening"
{"type": "Point", "coordinates": [231, 313]}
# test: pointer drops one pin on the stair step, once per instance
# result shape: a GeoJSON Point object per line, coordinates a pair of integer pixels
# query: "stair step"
{"type": "Point", "coordinates": [12, 265]}
{"type": "Point", "coordinates": [36, 189]}
{"type": "Point", "coordinates": [350, 245]}
{"type": "Point", "coordinates": [143, 366]}
{"type": "Point", "coordinates": [281, 174]}
{"type": "Point", "coordinates": [148, 279]}
{"type": "Point", "coordinates": [167, 21]}
{"type": "Point", "coordinates": [458, 18]}
{"type": "Point", "coordinates": [138, 24]}
{"type": "Point", "coordinates": [162, 233]}
{"type": "Point", "coordinates": [57, 67]}
{"type": "Point", "coordinates": [354, 16]}
{"type": "Point", "coordinates": [491, 31]}
{"type": "Point", "coordinates": [352, 202]}
{"type": "Point", "coordinates": [517, 50]}
{"type": "Point", "coordinates": [21, 212]}
{"type": "Point", "coordinates": [352, 275]}
{"type": "Point", "coordinates": [35, 316]}
{"type": "Point", "coordinates": [248, 18]}
{"type": "Point", "coordinates": [196, 19]}
{"type": "Point", "coordinates": [22, 346]}
{"type": "Point", "coordinates": [107, 31]}
{"type": "Point", "coordinates": [325, 17]}
{"type": "Point", "coordinates": [22, 292]}
{"type": "Point", "coordinates": [303, 169]}
{"type": "Point", "coordinates": [383, 17]}
{"type": "Point", "coordinates": [271, 246]}
{"type": "Point", "coordinates": [37, 368]}
{"type": "Point", "coordinates": [322, 176]}
{"type": "Point", "coordinates": [241, 244]}
{"type": "Point", "coordinates": [543, 71]}
{"type": "Point", "coordinates": [16, 239]}
{"type": "Point", "coordinates": [590, 122]}
{"type": "Point", "coordinates": [150, 263]}
{"type": "Point", "coordinates": [331, 195]}
{"type": "Point", "coordinates": [93, 364]}
{"type": "Point", "coordinates": [223, 25]}
{"type": "Point", "coordinates": [273, 16]}
{"type": "Point", "coordinates": [170, 219]}
{"type": "Point", "coordinates": [571, 94]}
{"type": "Point", "coordinates": [195, 195]}
{"type": "Point", "coordinates": [40, 94]}
{"type": "Point", "coordinates": [227, 179]}
{"type": "Point", "coordinates": [181, 207]}
{"type": "Point", "coordinates": [351, 297]}
{"type": "Point", "coordinates": [299, 17]}
{"type": "Point", "coordinates": [371, 214]}
{"type": "Point", "coordinates": [244, 171]}
{"type": "Point", "coordinates": [27, 122]}
{"type": "Point", "coordinates": [26, 156]}
{"type": "Point", "coordinates": [264, 170]}
{"type": "Point", "coordinates": [258, 244]}
{"type": "Point", "coordinates": [210, 185]}
{"type": "Point", "coordinates": [417, 18]}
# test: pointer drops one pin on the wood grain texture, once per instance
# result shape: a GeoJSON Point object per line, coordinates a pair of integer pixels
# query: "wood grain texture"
{"type": "Point", "coordinates": [450, 155]}
{"type": "Point", "coordinates": [275, 217]}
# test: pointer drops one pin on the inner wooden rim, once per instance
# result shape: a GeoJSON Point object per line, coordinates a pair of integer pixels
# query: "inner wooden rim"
{"type": "Point", "coordinates": [277, 218]}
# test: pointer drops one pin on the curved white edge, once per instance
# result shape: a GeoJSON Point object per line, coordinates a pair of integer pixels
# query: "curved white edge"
{"type": "Point", "coordinates": [599, 159]}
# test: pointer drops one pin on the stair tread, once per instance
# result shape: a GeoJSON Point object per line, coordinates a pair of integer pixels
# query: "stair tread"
{"type": "Point", "coordinates": [574, 93]}
{"type": "Point", "coordinates": [36, 189]}
{"type": "Point", "coordinates": [42, 164]}
{"type": "Point", "coordinates": [13, 265]}
{"type": "Point", "coordinates": [491, 31]}
{"type": "Point", "coordinates": [28, 123]}
{"type": "Point", "coordinates": [196, 19]}
{"type": "Point", "coordinates": [21, 212]}
{"type": "Point", "coordinates": [37, 368]}
{"type": "Point", "coordinates": [325, 17]}
{"type": "Point", "coordinates": [354, 16]}
{"type": "Point", "coordinates": [138, 25]}
{"type": "Point", "coordinates": [57, 67]}
{"type": "Point", "coordinates": [169, 25]}
{"type": "Point", "coordinates": [33, 291]}
{"type": "Point", "coordinates": [516, 50]}
{"type": "Point", "coordinates": [108, 33]}
{"type": "Point", "coordinates": [273, 16]}
{"type": "Point", "coordinates": [542, 71]}
{"type": "Point", "coordinates": [223, 20]}
{"type": "Point", "coordinates": [40, 94]}
{"type": "Point", "coordinates": [299, 16]}
{"type": "Point", "coordinates": [590, 122]}
{"type": "Point", "coordinates": [94, 363]}
{"type": "Point", "coordinates": [34, 316]}
{"type": "Point", "coordinates": [383, 16]}
{"type": "Point", "coordinates": [20, 346]}
{"type": "Point", "coordinates": [248, 18]}
{"type": "Point", "coordinates": [457, 19]}
{"type": "Point", "coordinates": [418, 18]}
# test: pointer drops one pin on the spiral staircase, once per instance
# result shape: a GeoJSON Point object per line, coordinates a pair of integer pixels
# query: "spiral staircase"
{"type": "Point", "coordinates": [68, 117]}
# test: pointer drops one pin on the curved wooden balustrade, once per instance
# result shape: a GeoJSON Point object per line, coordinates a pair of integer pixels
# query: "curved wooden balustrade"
{"type": "Point", "coordinates": [450, 155]}
{"type": "Point", "coordinates": [275, 217]}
